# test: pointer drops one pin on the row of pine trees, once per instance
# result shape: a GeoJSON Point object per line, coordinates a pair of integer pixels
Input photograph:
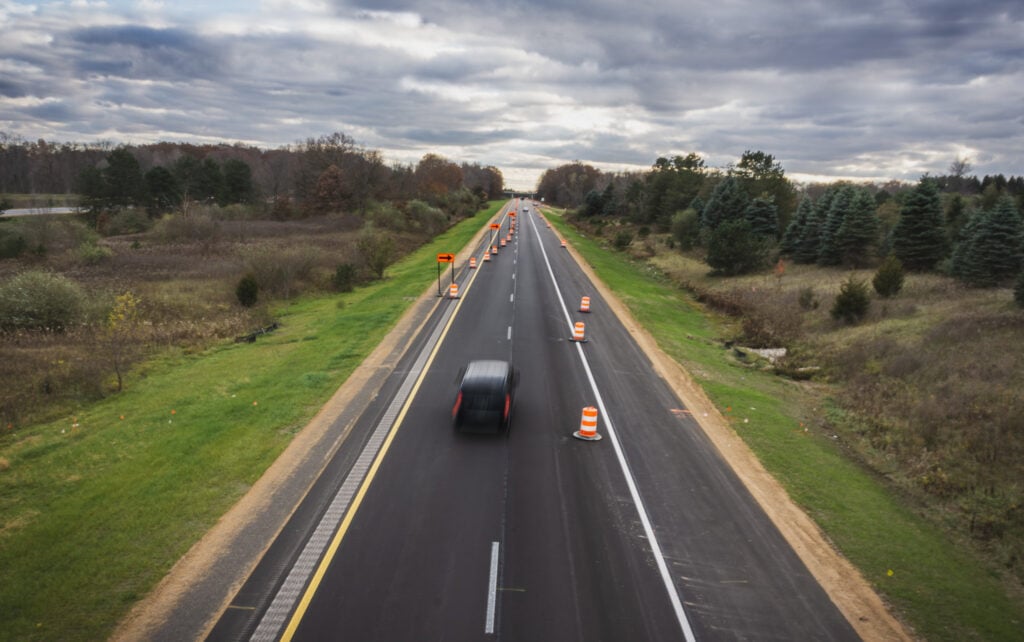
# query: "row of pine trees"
{"type": "Point", "coordinates": [842, 228]}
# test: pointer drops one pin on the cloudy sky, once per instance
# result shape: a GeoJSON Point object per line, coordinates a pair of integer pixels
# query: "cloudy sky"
{"type": "Point", "coordinates": [871, 89]}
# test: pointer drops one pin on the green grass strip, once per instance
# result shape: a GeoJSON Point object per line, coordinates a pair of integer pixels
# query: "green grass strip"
{"type": "Point", "coordinates": [95, 509]}
{"type": "Point", "coordinates": [944, 592]}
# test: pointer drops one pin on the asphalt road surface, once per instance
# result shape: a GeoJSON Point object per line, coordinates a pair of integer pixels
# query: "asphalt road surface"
{"type": "Point", "coordinates": [416, 532]}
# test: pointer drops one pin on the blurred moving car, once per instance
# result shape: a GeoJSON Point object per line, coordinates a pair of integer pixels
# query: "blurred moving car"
{"type": "Point", "coordinates": [485, 397]}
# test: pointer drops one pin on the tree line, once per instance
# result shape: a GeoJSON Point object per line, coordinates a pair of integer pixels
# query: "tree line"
{"type": "Point", "coordinates": [748, 215]}
{"type": "Point", "coordinates": [331, 171]}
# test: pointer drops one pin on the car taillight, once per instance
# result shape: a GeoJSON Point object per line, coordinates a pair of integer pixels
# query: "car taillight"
{"type": "Point", "coordinates": [458, 402]}
{"type": "Point", "coordinates": [508, 404]}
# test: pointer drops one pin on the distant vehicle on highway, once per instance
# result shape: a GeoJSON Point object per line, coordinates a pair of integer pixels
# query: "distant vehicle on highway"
{"type": "Point", "coordinates": [485, 398]}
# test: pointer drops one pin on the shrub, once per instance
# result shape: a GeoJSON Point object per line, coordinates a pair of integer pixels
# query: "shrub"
{"type": "Point", "coordinates": [888, 280]}
{"type": "Point", "coordinates": [181, 228]}
{"type": "Point", "coordinates": [130, 221]}
{"type": "Point", "coordinates": [852, 302]}
{"type": "Point", "coordinates": [38, 300]}
{"type": "Point", "coordinates": [280, 271]}
{"type": "Point", "coordinates": [808, 299]}
{"type": "Point", "coordinates": [377, 249]}
{"type": "Point", "coordinates": [622, 240]}
{"type": "Point", "coordinates": [344, 277]}
{"type": "Point", "coordinates": [91, 252]}
{"type": "Point", "coordinates": [686, 228]}
{"type": "Point", "coordinates": [12, 243]}
{"type": "Point", "coordinates": [425, 219]}
{"type": "Point", "coordinates": [44, 234]}
{"type": "Point", "coordinates": [248, 291]}
{"type": "Point", "coordinates": [386, 216]}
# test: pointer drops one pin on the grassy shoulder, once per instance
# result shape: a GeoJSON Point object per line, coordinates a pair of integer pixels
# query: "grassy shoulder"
{"type": "Point", "coordinates": [96, 507]}
{"type": "Point", "coordinates": [943, 592]}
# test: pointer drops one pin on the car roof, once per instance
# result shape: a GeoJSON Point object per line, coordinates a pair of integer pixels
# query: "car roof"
{"type": "Point", "coordinates": [485, 375]}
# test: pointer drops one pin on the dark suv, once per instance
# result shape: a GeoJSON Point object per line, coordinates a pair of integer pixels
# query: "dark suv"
{"type": "Point", "coordinates": [485, 397]}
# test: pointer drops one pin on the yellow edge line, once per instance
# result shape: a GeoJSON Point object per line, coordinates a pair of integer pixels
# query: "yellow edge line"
{"type": "Point", "coordinates": [321, 570]}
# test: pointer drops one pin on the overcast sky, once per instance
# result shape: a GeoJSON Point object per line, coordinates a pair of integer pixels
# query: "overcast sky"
{"type": "Point", "coordinates": [871, 89]}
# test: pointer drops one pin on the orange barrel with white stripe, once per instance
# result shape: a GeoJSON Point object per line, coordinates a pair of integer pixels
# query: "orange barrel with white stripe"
{"type": "Point", "coordinates": [577, 331]}
{"type": "Point", "coordinates": [563, 243]}
{"type": "Point", "coordinates": [585, 304]}
{"type": "Point", "coordinates": [472, 262]}
{"type": "Point", "coordinates": [502, 243]}
{"type": "Point", "coordinates": [494, 249]}
{"type": "Point", "coordinates": [588, 425]}
{"type": "Point", "coordinates": [487, 256]}
{"type": "Point", "coordinates": [453, 291]}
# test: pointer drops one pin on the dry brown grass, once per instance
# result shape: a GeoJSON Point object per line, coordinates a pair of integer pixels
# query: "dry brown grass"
{"type": "Point", "coordinates": [929, 384]}
{"type": "Point", "coordinates": [184, 275]}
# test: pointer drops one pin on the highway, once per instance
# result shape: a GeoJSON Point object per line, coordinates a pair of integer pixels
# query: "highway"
{"type": "Point", "coordinates": [416, 532]}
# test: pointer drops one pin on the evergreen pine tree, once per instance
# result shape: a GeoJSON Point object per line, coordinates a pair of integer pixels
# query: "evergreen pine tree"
{"type": "Point", "coordinates": [763, 217]}
{"type": "Point", "coordinates": [727, 202]}
{"type": "Point", "coordinates": [956, 217]}
{"type": "Point", "coordinates": [888, 280]}
{"type": "Point", "coordinates": [990, 252]}
{"type": "Point", "coordinates": [806, 250]}
{"type": "Point", "coordinates": [919, 238]}
{"type": "Point", "coordinates": [959, 264]}
{"type": "Point", "coordinates": [859, 230]}
{"type": "Point", "coordinates": [734, 248]}
{"type": "Point", "coordinates": [697, 205]}
{"type": "Point", "coordinates": [810, 240]}
{"type": "Point", "coordinates": [828, 249]}
{"type": "Point", "coordinates": [852, 302]}
{"type": "Point", "coordinates": [247, 291]}
{"type": "Point", "coordinates": [795, 229]}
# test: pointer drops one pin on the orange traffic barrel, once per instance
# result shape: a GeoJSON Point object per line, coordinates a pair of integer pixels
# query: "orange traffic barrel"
{"type": "Point", "coordinates": [494, 249]}
{"type": "Point", "coordinates": [502, 243]}
{"type": "Point", "coordinates": [487, 256]}
{"type": "Point", "coordinates": [577, 332]}
{"type": "Point", "coordinates": [588, 425]}
{"type": "Point", "coordinates": [472, 262]}
{"type": "Point", "coordinates": [453, 291]}
{"type": "Point", "coordinates": [585, 304]}
{"type": "Point", "coordinates": [563, 243]}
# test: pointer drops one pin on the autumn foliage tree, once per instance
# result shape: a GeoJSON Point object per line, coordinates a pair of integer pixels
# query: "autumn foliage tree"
{"type": "Point", "coordinates": [331, 192]}
{"type": "Point", "coordinates": [123, 324]}
{"type": "Point", "coordinates": [436, 177]}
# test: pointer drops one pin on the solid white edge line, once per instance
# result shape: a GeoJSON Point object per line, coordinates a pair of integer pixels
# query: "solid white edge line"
{"type": "Point", "coordinates": [492, 590]}
{"type": "Point", "coordinates": [659, 558]}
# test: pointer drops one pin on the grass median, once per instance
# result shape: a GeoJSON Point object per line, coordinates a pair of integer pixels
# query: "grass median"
{"type": "Point", "coordinates": [943, 592]}
{"type": "Point", "coordinates": [95, 508]}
